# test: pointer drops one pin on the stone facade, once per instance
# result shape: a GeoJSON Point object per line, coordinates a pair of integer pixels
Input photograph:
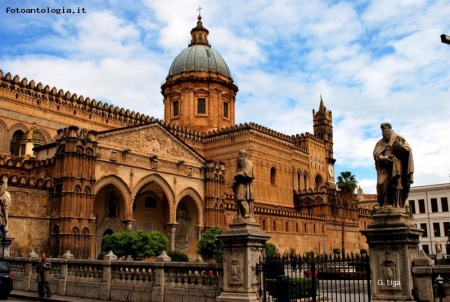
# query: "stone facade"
{"type": "Point", "coordinates": [103, 169]}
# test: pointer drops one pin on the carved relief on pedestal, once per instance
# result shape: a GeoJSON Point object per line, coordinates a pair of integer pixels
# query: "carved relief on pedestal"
{"type": "Point", "coordinates": [389, 272]}
{"type": "Point", "coordinates": [235, 270]}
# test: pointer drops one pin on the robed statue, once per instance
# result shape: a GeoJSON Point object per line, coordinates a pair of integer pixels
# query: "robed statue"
{"type": "Point", "coordinates": [5, 201]}
{"type": "Point", "coordinates": [395, 168]}
{"type": "Point", "coordinates": [242, 186]}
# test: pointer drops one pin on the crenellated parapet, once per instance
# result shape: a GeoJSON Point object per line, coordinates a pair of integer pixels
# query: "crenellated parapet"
{"type": "Point", "coordinates": [27, 173]}
{"type": "Point", "coordinates": [30, 93]}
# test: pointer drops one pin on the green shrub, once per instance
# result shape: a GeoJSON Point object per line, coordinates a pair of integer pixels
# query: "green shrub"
{"type": "Point", "coordinates": [138, 245]}
{"type": "Point", "coordinates": [178, 256]}
{"type": "Point", "coordinates": [271, 249]}
{"type": "Point", "coordinates": [209, 246]}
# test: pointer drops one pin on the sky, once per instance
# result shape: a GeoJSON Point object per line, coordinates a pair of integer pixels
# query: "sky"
{"type": "Point", "coordinates": [370, 61]}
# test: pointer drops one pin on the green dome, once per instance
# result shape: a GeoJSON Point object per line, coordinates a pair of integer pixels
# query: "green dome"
{"type": "Point", "coordinates": [33, 135]}
{"type": "Point", "coordinates": [199, 58]}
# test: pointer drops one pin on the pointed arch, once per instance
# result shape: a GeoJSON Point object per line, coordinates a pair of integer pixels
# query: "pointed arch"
{"type": "Point", "coordinates": [197, 200]}
{"type": "Point", "coordinates": [121, 187]}
{"type": "Point", "coordinates": [165, 187]}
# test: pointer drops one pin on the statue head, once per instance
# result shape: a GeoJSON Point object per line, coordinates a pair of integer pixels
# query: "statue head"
{"type": "Point", "coordinates": [386, 130]}
{"type": "Point", "coordinates": [241, 158]}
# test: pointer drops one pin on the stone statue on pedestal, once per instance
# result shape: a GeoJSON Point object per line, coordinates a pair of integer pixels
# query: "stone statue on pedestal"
{"type": "Point", "coordinates": [5, 201]}
{"type": "Point", "coordinates": [242, 186]}
{"type": "Point", "coordinates": [395, 168]}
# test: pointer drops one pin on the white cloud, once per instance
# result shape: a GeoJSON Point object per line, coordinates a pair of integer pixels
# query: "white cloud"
{"type": "Point", "coordinates": [372, 62]}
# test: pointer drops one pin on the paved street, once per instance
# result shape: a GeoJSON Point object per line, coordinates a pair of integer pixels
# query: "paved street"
{"type": "Point", "coordinates": [17, 295]}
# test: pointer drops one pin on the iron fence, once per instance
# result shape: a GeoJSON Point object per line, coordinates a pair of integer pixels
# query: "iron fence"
{"type": "Point", "coordinates": [295, 278]}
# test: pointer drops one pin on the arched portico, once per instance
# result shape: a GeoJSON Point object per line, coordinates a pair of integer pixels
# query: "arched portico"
{"type": "Point", "coordinates": [110, 208]}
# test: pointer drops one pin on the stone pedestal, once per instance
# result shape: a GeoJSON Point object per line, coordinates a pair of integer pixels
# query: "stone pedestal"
{"type": "Point", "coordinates": [5, 246]}
{"type": "Point", "coordinates": [243, 245]}
{"type": "Point", "coordinates": [393, 245]}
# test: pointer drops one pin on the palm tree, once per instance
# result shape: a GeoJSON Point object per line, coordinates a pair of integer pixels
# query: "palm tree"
{"type": "Point", "coordinates": [347, 184]}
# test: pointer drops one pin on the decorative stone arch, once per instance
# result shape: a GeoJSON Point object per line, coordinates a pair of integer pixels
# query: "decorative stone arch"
{"type": "Point", "coordinates": [121, 187]}
{"type": "Point", "coordinates": [165, 187]}
{"type": "Point", "coordinates": [11, 131]}
{"type": "Point", "coordinates": [198, 203]}
{"type": "Point", "coordinates": [113, 224]}
{"type": "Point", "coordinates": [318, 200]}
{"type": "Point", "coordinates": [318, 181]}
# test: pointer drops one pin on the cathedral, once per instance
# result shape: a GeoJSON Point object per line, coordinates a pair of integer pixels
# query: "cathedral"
{"type": "Point", "coordinates": [78, 169]}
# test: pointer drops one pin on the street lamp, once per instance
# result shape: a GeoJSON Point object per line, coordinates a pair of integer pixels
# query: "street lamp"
{"type": "Point", "coordinates": [445, 39]}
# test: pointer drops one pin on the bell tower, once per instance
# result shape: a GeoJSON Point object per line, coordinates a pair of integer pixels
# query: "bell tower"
{"type": "Point", "coordinates": [323, 129]}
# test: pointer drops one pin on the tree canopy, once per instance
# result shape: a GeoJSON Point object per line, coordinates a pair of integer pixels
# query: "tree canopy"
{"type": "Point", "coordinates": [347, 182]}
{"type": "Point", "coordinates": [209, 246]}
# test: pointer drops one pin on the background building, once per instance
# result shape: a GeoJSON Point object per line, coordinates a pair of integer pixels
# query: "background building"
{"type": "Point", "coordinates": [430, 211]}
{"type": "Point", "coordinates": [79, 169]}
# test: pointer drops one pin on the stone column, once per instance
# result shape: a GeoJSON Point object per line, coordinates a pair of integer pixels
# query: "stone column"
{"type": "Point", "coordinates": [243, 245]}
{"type": "Point", "coordinates": [172, 231]}
{"type": "Point", "coordinates": [393, 245]}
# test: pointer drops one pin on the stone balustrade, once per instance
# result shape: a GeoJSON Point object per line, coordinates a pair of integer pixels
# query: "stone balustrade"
{"type": "Point", "coordinates": [124, 280]}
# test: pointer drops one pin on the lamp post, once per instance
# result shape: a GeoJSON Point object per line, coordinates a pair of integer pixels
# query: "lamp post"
{"type": "Point", "coordinates": [445, 39]}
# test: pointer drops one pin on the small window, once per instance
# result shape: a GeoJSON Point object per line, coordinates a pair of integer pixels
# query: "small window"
{"type": "Point", "coordinates": [444, 204]}
{"type": "Point", "coordinates": [176, 108]}
{"type": "Point", "coordinates": [412, 206]}
{"type": "Point", "coordinates": [446, 228]}
{"type": "Point", "coordinates": [225, 109]}
{"type": "Point", "coordinates": [273, 176]}
{"type": "Point", "coordinates": [421, 206]}
{"type": "Point", "coordinates": [434, 205]}
{"type": "Point", "coordinates": [22, 150]}
{"type": "Point", "coordinates": [15, 142]}
{"type": "Point", "coordinates": [426, 249]}
{"type": "Point", "coordinates": [423, 226]}
{"type": "Point", "coordinates": [201, 106]}
{"type": "Point", "coordinates": [436, 229]}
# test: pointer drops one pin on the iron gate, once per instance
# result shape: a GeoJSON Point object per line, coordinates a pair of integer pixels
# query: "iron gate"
{"type": "Point", "coordinates": [292, 278]}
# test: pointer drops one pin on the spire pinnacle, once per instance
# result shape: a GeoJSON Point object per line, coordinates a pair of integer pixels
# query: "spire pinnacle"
{"type": "Point", "coordinates": [199, 34]}
{"type": "Point", "coordinates": [321, 106]}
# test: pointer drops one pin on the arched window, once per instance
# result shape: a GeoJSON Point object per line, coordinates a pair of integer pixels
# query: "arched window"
{"type": "Point", "coordinates": [274, 226]}
{"type": "Point", "coordinates": [264, 224]}
{"type": "Point", "coordinates": [299, 178]}
{"type": "Point", "coordinates": [273, 176]}
{"type": "Point", "coordinates": [15, 142]}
